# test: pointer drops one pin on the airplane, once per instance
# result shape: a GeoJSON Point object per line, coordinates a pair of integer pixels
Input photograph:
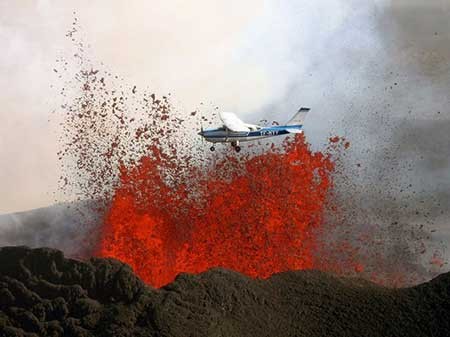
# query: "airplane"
{"type": "Point", "coordinates": [235, 131]}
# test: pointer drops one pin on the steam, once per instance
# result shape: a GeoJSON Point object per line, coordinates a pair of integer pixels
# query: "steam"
{"type": "Point", "coordinates": [71, 228]}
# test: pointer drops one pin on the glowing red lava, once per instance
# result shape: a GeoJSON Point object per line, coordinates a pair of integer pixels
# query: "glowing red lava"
{"type": "Point", "coordinates": [255, 216]}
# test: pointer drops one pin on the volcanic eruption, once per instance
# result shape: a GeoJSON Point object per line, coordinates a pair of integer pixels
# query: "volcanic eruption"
{"type": "Point", "coordinates": [255, 215]}
{"type": "Point", "coordinates": [170, 206]}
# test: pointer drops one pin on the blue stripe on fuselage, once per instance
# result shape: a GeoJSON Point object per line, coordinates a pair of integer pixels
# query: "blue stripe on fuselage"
{"type": "Point", "coordinates": [263, 132]}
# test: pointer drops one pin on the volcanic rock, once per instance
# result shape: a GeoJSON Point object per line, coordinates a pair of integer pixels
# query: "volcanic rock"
{"type": "Point", "coordinates": [42, 293]}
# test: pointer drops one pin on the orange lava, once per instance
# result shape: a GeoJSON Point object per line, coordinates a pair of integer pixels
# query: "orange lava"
{"type": "Point", "coordinates": [255, 215]}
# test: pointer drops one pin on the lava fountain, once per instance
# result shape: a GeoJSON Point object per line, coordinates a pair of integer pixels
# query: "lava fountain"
{"type": "Point", "coordinates": [256, 215]}
{"type": "Point", "coordinates": [168, 207]}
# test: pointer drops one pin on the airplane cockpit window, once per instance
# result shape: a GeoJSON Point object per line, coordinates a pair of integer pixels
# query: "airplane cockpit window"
{"type": "Point", "coordinates": [254, 127]}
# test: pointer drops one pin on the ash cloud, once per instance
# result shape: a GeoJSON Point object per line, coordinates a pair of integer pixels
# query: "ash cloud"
{"type": "Point", "coordinates": [380, 78]}
{"type": "Point", "coordinates": [418, 33]}
{"type": "Point", "coordinates": [416, 38]}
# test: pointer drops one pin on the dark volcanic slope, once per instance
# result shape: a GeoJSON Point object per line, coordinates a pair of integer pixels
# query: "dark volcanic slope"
{"type": "Point", "coordinates": [42, 293]}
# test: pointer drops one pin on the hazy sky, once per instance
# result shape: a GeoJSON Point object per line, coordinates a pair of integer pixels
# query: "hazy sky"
{"type": "Point", "coordinates": [375, 71]}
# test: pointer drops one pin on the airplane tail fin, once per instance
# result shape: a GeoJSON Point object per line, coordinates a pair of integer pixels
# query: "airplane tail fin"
{"type": "Point", "coordinates": [299, 117]}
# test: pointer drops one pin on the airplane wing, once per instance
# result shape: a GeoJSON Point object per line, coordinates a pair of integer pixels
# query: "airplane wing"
{"type": "Point", "coordinates": [232, 122]}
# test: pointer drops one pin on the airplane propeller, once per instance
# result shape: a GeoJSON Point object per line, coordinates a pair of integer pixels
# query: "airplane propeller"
{"type": "Point", "coordinates": [212, 148]}
{"type": "Point", "coordinates": [201, 129]}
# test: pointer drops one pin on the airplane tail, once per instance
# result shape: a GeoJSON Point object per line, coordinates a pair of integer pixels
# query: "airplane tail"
{"type": "Point", "coordinates": [299, 117]}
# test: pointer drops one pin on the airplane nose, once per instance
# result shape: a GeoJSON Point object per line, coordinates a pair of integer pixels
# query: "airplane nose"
{"type": "Point", "coordinates": [200, 133]}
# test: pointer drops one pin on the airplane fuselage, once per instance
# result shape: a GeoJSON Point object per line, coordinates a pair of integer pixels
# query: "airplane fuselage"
{"type": "Point", "coordinates": [224, 135]}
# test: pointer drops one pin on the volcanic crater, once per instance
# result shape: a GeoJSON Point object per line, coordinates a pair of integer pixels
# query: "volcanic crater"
{"type": "Point", "coordinates": [45, 294]}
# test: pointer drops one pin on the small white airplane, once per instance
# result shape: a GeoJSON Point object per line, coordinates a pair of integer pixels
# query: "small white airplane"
{"type": "Point", "coordinates": [234, 130]}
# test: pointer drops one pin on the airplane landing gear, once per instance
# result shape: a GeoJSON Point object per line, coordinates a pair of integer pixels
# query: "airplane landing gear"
{"type": "Point", "coordinates": [236, 146]}
{"type": "Point", "coordinates": [212, 148]}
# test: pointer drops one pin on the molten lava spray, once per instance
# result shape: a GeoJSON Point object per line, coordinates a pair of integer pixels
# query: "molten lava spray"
{"type": "Point", "coordinates": [168, 207]}
{"type": "Point", "coordinates": [255, 215]}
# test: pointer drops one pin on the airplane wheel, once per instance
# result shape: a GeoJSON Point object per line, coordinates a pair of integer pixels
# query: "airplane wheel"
{"type": "Point", "coordinates": [237, 148]}
{"type": "Point", "coordinates": [212, 148]}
